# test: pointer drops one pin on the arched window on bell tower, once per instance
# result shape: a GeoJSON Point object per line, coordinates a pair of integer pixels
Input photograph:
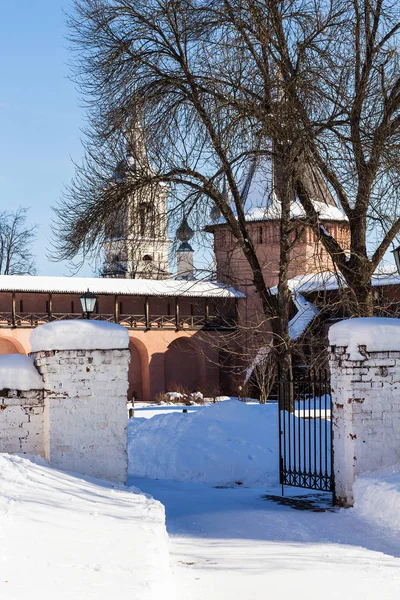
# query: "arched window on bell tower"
{"type": "Point", "coordinates": [146, 220]}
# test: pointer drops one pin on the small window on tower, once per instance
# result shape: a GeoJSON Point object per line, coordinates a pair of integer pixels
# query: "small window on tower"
{"type": "Point", "coordinates": [260, 235]}
{"type": "Point", "coordinates": [147, 258]}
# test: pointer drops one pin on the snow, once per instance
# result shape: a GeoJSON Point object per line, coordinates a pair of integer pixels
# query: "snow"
{"type": "Point", "coordinates": [64, 536]}
{"type": "Point", "coordinates": [18, 372]}
{"type": "Point", "coordinates": [326, 212]}
{"type": "Point", "coordinates": [306, 313]}
{"type": "Point", "coordinates": [327, 280]}
{"type": "Point", "coordinates": [81, 334]}
{"type": "Point", "coordinates": [377, 498]}
{"type": "Point", "coordinates": [297, 326]}
{"type": "Point", "coordinates": [174, 396]}
{"type": "Point", "coordinates": [260, 357]}
{"type": "Point", "coordinates": [376, 333]}
{"type": "Point", "coordinates": [134, 287]}
{"type": "Point", "coordinates": [219, 444]}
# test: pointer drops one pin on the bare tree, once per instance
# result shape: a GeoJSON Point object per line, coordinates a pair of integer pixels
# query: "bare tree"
{"type": "Point", "coordinates": [217, 85]}
{"type": "Point", "coordinates": [153, 66]}
{"type": "Point", "coordinates": [338, 67]}
{"type": "Point", "coordinates": [16, 238]}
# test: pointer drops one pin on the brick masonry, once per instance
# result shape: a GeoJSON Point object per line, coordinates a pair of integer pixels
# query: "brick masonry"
{"type": "Point", "coordinates": [366, 415]}
{"type": "Point", "coordinates": [21, 421]}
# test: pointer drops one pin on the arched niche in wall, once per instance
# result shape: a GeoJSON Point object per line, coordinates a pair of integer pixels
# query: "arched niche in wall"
{"type": "Point", "coordinates": [138, 375]}
{"type": "Point", "coordinates": [10, 346]}
{"type": "Point", "coordinates": [184, 365]}
{"type": "Point", "coordinates": [226, 372]}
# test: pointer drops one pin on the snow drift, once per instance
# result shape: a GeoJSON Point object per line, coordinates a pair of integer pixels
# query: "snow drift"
{"type": "Point", "coordinates": [64, 536]}
{"type": "Point", "coordinates": [377, 497]}
{"type": "Point", "coordinates": [219, 444]}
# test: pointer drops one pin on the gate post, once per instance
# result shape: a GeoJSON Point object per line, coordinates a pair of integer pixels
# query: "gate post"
{"type": "Point", "coordinates": [84, 365]}
{"type": "Point", "coordinates": [365, 375]}
{"type": "Point", "coordinates": [342, 429]}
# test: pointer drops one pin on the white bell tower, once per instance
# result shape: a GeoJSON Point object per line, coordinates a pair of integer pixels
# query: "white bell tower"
{"type": "Point", "coordinates": [139, 246]}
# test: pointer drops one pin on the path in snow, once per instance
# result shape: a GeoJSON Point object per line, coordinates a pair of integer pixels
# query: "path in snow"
{"type": "Point", "coordinates": [231, 544]}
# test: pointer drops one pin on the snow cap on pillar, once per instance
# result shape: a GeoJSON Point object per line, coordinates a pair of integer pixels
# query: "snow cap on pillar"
{"type": "Point", "coordinates": [79, 334]}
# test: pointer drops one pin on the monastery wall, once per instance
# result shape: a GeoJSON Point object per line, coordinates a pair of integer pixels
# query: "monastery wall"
{"type": "Point", "coordinates": [153, 355]}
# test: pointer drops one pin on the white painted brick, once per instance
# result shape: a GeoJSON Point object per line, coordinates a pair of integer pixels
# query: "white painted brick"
{"type": "Point", "coordinates": [87, 426]}
{"type": "Point", "coordinates": [21, 422]}
{"type": "Point", "coordinates": [366, 434]}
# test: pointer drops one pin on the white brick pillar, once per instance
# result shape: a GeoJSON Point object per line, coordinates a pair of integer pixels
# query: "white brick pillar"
{"type": "Point", "coordinates": [342, 427]}
{"type": "Point", "coordinates": [365, 378]}
{"type": "Point", "coordinates": [85, 416]}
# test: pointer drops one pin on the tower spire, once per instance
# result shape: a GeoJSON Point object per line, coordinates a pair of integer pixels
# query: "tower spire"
{"type": "Point", "coordinates": [135, 143]}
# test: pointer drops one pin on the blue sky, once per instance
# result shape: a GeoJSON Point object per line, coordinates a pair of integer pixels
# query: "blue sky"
{"type": "Point", "coordinates": [40, 117]}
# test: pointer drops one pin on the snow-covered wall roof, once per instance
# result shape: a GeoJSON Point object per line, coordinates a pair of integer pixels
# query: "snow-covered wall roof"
{"type": "Point", "coordinates": [327, 280]}
{"type": "Point", "coordinates": [79, 335]}
{"type": "Point", "coordinates": [134, 287]}
{"type": "Point", "coordinates": [306, 311]}
{"type": "Point", "coordinates": [18, 372]}
{"type": "Point", "coordinates": [302, 319]}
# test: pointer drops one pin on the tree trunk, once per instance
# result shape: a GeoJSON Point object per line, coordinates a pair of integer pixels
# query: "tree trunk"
{"type": "Point", "coordinates": [283, 342]}
{"type": "Point", "coordinates": [364, 300]}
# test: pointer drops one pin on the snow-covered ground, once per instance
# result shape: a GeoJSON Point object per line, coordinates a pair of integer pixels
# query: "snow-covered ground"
{"type": "Point", "coordinates": [233, 544]}
{"type": "Point", "coordinates": [228, 541]}
{"type": "Point", "coordinates": [65, 537]}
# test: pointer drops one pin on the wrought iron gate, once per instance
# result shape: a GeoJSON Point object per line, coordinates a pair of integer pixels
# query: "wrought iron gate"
{"type": "Point", "coordinates": [305, 430]}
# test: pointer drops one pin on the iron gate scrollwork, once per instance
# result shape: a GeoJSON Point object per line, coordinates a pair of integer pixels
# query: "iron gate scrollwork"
{"type": "Point", "coordinates": [305, 430]}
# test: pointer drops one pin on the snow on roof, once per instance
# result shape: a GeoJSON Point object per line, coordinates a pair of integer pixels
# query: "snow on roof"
{"type": "Point", "coordinates": [376, 333]}
{"type": "Point", "coordinates": [302, 319]}
{"type": "Point", "coordinates": [327, 280]}
{"type": "Point", "coordinates": [326, 212]}
{"type": "Point", "coordinates": [134, 287]}
{"type": "Point", "coordinates": [297, 326]}
{"type": "Point", "coordinates": [18, 372]}
{"type": "Point", "coordinates": [79, 335]}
